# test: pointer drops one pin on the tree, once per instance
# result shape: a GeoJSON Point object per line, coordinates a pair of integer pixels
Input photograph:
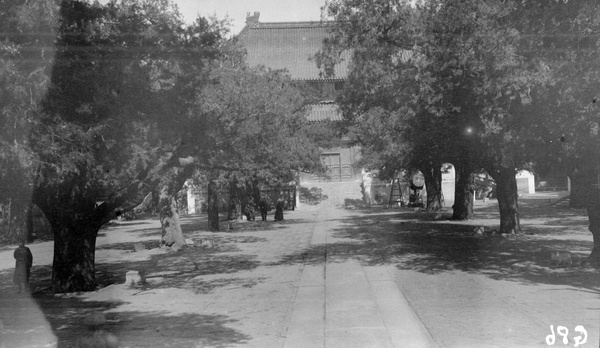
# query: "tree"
{"type": "Point", "coordinates": [535, 70]}
{"type": "Point", "coordinates": [520, 76]}
{"type": "Point", "coordinates": [467, 77]}
{"type": "Point", "coordinates": [108, 128]}
{"type": "Point", "coordinates": [257, 131]}
{"type": "Point", "coordinates": [398, 65]}
{"type": "Point", "coordinates": [563, 118]}
{"type": "Point", "coordinates": [167, 190]}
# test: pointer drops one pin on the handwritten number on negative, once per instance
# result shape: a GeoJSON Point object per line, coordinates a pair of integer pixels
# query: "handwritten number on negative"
{"type": "Point", "coordinates": [564, 333]}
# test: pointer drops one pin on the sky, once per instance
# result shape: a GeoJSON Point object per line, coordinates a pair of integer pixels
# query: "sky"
{"type": "Point", "coordinates": [270, 10]}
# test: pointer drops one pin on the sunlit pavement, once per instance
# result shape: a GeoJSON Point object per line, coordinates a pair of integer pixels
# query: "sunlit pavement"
{"type": "Point", "coordinates": [341, 303]}
{"type": "Point", "coordinates": [365, 287]}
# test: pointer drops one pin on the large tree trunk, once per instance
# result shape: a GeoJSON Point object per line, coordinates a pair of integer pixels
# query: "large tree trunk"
{"type": "Point", "coordinates": [578, 193]}
{"type": "Point", "coordinates": [580, 186]}
{"type": "Point", "coordinates": [584, 176]}
{"type": "Point", "coordinates": [506, 192]}
{"type": "Point", "coordinates": [464, 192]}
{"type": "Point", "coordinates": [213, 206]}
{"type": "Point", "coordinates": [593, 210]}
{"type": "Point", "coordinates": [172, 235]}
{"type": "Point", "coordinates": [235, 201]}
{"type": "Point", "coordinates": [76, 214]}
{"type": "Point", "coordinates": [433, 185]}
{"type": "Point", "coordinates": [73, 268]}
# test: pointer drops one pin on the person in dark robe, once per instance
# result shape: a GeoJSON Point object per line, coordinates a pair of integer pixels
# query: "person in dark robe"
{"type": "Point", "coordinates": [279, 209]}
{"type": "Point", "coordinates": [263, 206]}
{"type": "Point", "coordinates": [24, 260]}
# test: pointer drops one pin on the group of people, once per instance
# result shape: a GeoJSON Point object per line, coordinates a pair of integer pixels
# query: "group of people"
{"type": "Point", "coordinates": [264, 208]}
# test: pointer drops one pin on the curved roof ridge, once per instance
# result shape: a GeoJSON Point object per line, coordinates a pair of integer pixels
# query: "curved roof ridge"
{"type": "Point", "coordinates": [260, 25]}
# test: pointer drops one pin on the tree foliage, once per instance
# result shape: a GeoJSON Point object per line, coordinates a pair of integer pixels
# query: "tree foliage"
{"type": "Point", "coordinates": [493, 85]}
{"type": "Point", "coordinates": [132, 101]}
{"type": "Point", "coordinates": [258, 130]}
{"type": "Point", "coordinates": [106, 131]}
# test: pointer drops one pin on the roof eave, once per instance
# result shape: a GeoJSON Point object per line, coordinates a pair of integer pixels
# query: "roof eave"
{"type": "Point", "coordinates": [319, 79]}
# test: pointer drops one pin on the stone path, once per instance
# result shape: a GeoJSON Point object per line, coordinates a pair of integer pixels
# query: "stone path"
{"type": "Point", "coordinates": [343, 304]}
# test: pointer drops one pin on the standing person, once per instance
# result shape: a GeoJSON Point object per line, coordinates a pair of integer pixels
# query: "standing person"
{"type": "Point", "coordinates": [279, 209]}
{"type": "Point", "coordinates": [263, 206]}
{"type": "Point", "coordinates": [366, 184]}
{"type": "Point", "coordinates": [24, 260]}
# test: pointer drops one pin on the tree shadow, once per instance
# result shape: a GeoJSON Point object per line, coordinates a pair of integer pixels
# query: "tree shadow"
{"type": "Point", "coordinates": [261, 226]}
{"type": "Point", "coordinates": [314, 255]}
{"type": "Point", "coordinates": [40, 278]}
{"type": "Point", "coordinates": [192, 225]}
{"type": "Point", "coordinates": [204, 243]}
{"type": "Point", "coordinates": [410, 241]}
{"type": "Point", "coordinates": [311, 196]}
{"type": "Point", "coordinates": [185, 330]}
{"type": "Point", "coordinates": [182, 269]}
{"type": "Point", "coordinates": [151, 328]}
{"type": "Point", "coordinates": [129, 246]}
{"type": "Point", "coordinates": [147, 328]}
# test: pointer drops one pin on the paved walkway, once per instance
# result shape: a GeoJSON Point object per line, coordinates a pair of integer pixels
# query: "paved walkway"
{"type": "Point", "coordinates": [343, 304]}
{"type": "Point", "coordinates": [329, 304]}
{"type": "Point", "coordinates": [324, 278]}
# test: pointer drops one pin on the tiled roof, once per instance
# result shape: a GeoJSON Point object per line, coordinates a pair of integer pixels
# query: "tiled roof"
{"type": "Point", "coordinates": [324, 112]}
{"type": "Point", "coordinates": [291, 46]}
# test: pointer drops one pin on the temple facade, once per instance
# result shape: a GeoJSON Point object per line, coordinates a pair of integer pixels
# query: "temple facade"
{"type": "Point", "coordinates": [292, 46]}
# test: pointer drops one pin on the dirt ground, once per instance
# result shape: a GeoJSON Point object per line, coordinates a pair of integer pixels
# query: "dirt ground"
{"type": "Point", "coordinates": [237, 288]}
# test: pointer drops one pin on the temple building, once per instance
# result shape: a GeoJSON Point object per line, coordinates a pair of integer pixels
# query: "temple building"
{"type": "Point", "coordinates": [292, 46]}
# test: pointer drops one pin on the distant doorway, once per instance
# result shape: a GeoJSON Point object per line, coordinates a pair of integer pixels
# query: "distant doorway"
{"type": "Point", "coordinates": [333, 162]}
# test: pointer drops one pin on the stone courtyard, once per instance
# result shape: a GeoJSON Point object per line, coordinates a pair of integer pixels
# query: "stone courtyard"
{"type": "Point", "coordinates": [324, 277]}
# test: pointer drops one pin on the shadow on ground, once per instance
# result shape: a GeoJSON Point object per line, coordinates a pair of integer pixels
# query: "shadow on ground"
{"type": "Point", "coordinates": [414, 241]}
{"type": "Point", "coordinates": [137, 329]}
{"type": "Point", "coordinates": [156, 327]}
{"type": "Point", "coordinates": [208, 267]}
{"type": "Point", "coordinates": [182, 269]}
{"type": "Point", "coordinates": [193, 224]}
